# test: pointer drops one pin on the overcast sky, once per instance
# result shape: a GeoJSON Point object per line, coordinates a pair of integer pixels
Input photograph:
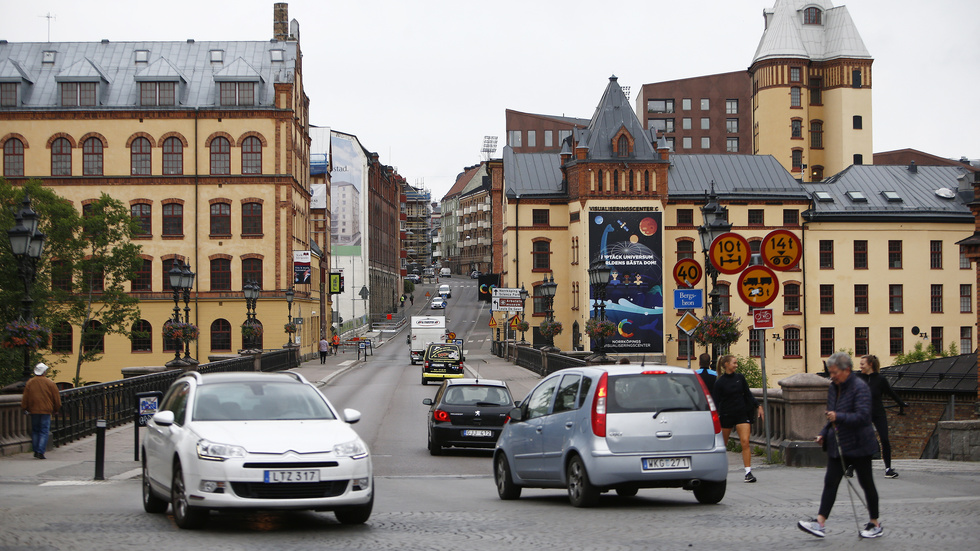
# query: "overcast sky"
{"type": "Point", "coordinates": [421, 82]}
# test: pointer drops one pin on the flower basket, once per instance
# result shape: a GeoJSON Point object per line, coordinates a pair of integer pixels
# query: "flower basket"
{"type": "Point", "coordinates": [23, 333]}
{"type": "Point", "coordinates": [549, 329]}
{"type": "Point", "coordinates": [250, 331]}
{"type": "Point", "coordinates": [180, 331]}
{"type": "Point", "coordinates": [522, 326]}
{"type": "Point", "coordinates": [597, 329]}
{"type": "Point", "coordinates": [719, 330]}
{"type": "Point", "coordinates": [290, 328]}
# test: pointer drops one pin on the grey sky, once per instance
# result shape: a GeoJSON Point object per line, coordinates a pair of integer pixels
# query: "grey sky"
{"type": "Point", "coordinates": [421, 82]}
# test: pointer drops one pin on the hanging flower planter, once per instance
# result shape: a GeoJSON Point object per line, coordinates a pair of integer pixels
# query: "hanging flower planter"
{"type": "Point", "coordinates": [597, 329]}
{"type": "Point", "coordinates": [180, 331]}
{"type": "Point", "coordinates": [290, 328]}
{"type": "Point", "coordinates": [250, 331]}
{"type": "Point", "coordinates": [719, 330]}
{"type": "Point", "coordinates": [522, 326]}
{"type": "Point", "coordinates": [22, 333]}
{"type": "Point", "coordinates": [550, 329]}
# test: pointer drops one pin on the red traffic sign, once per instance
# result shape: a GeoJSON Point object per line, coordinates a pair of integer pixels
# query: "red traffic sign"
{"type": "Point", "coordinates": [687, 272]}
{"type": "Point", "coordinates": [730, 253]}
{"type": "Point", "coordinates": [762, 318]}
{"type": "Point", "coordinates": [781, 250]}
{"type": "Point", "coordinates": [758, 286]}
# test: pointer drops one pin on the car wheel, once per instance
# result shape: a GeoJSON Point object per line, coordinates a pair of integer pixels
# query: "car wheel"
{"type": "Point", "coordinates": [710, 492]}
{"type": "Point", "coordinates": [506, 488]}
{"type": "Point", "coordinates": [185, 515]}
{"type": "Point", "coordinates": [356, 514]}
{"type": "Point", "coordinates": [627, 491]}
{"type": "Point", "coordinates": [581, 492]}
{"type": "Point", "coordinates": [434, 449]}
{"type": "Point", "coordinates": [425, 381]}
{"type": "Point", "coordinates": [151, 503]}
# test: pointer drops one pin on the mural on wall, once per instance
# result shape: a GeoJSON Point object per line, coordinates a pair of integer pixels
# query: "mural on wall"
{"type": "Point", "coordinates": [631, 243]}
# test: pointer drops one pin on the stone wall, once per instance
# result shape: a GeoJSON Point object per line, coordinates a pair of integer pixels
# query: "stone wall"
{"type": "Point", "coordinates": [959, 440]}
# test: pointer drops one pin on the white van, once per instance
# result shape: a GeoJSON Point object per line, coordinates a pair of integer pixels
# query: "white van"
{"type": "Point", "coordinates": [445, 292]}
{"type": "Point", "coordinates": [445, 272]}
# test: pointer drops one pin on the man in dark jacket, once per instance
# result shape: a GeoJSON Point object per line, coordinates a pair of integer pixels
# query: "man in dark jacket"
{"type": "Point", "coordinates": [849, 439]}
{"type": "Point", "coordinates": [41, 399]}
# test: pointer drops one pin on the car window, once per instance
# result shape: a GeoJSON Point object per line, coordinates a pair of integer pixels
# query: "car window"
{"type": "Point", "coordinates": [259, 401]}
{"type": "Point", "coordinates": [584, 391]}
{"type": "Point", "coordinates": [540, 398]}
{"type": "Point", "coordinates": [655, 392]}
{"type": "Point", "coordinates": [442, 352]}
{"type": "Point", "coordinates": [477, 395]}
{"type": "Point", "coordinates": [177, 403]}
{"type": "Point", "coordinates": [567, 392]}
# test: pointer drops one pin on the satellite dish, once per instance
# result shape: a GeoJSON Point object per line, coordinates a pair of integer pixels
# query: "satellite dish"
{"type": "Point", "coordinates": [915, 330]}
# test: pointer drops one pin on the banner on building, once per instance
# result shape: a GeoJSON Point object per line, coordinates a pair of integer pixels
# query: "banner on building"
{"type": "Point", "coordinates": [631, 243]}
{"type": "Point", "coordinates": [487, 284]}
{"type": "Point", "coordinates": [302, 270]}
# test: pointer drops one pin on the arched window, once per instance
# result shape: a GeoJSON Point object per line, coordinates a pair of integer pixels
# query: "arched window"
{"type": "Point", "coordinates": [13, 157]}
{"type": "Point", "coordinates": [542, 255]}
{"type": "Point", "coordinates": [93, 340]}
{"type": "Point", "coordinates": [251, 156]}
{"type": "Point", "coordinates": [170, 345]}
{"type": "Point", "coordinates": [139, 157]}
{"type": "Point", "coordinates": [142, 336]}
{"type": "Point", "coordinates": [173, 156]}
{"type": "Point", "coordinates": [221, 219]}
{"type": "Point", "coordinates": [61, 157]}
{"type": "Point", "coordinates": [252, 270]}
{"type": "Point", "coordinates": [816, 134]}
{"type": "Point", "coordinates": [812, 16]}
{"type": "Point", "coordinates": [220, 156]}
{"type": "Point", "coordinates": [221, 274]}
{"type": "Point", "coordinates": [92, 157]}
{"type": "Point", "coordinates": [252, 219]}
{"type": "Point", "coordinates": [220, 335]}
{"type": "Point", "coordinates": [791, 342]}
{"type": "Point", "coordinates": [791, 298]}
{"type": "Point", "coordinates": [61, 338]}
{"type": "Point", "coordinates": [623, 147]}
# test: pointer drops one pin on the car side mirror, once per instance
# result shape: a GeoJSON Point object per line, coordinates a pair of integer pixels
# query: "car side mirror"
{"type": "Point", "coordinates": [164, 418]}
{"type": "Point", "coordinates": [516, 414]}
{"type": "Point", "coordinates": [351, 415]}
{"type": "Point", "coordinates": [427, 401]}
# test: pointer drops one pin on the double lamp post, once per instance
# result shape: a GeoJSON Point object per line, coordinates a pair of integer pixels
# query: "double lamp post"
{"type": "Point", "coordinates": [715, 222]}
{"type": "Point", "coordinates": [27, 244]}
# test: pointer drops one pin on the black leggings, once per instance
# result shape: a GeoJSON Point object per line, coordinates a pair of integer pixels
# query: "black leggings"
{"type": "Point", "coordinates": [835, 472]}
{"type": "Point", "coordinates": [881, 425]}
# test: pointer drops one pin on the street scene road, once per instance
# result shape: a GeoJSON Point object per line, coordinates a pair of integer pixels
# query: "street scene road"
{"type": "Point", "coordinates": [450, 502]}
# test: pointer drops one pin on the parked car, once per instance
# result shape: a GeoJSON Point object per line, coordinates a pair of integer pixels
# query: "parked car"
{"type": "Point", "coordinates": [475, 274]}
{"type": "Point", "coordinates": [442, 361]}
{"type": "Point", "coordinates": [445, 272]}
{"type": "Point", "coordinates": [414, 278]}
{"type": "Point", "coordinates": [438, 303]}
{"type": "Point", "coordinates": [445, 291]}
{"type": "Point", "coordinates": [467, 413]}
{"type": "Point", "coordinates": [255, 441]}
{"type": "Point", "coordinates": [613, 427]}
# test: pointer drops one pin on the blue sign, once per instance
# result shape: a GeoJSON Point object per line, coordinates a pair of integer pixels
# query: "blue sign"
{"type": "Point", "coordinates": [688, 298]}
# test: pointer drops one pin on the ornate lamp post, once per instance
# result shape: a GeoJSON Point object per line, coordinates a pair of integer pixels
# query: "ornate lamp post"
{"type": "Point", "coordinates": [251, 291]}
{"type": "Point", "coordinates": [290, 294]}
{"type": "Point", "coordinates": [186, 284]}
{"type": "Point", "coordinates": [714, 218]}
{"type": "Point", "coordinates": [524, 295]}
{"type": "Point", "coordinates": [599, 273]}
{"type": "Point", "coordinates": [548, 289]}
{"type": "Point", "coordinates": [175, 274]}
{"type": "Point", "coordinates": [27, 245]}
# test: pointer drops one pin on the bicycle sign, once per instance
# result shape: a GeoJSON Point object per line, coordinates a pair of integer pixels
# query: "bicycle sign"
{"type": "Point", "coordinates": [781, 250]}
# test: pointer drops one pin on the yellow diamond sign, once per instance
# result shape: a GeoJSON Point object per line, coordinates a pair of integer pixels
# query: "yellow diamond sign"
{"type": "Point", "coordinates": [688, 323]}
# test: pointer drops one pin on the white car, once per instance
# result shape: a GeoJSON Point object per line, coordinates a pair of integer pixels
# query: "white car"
{"type": "Point", "coordinates": [438, 303]}
{"type": "Point", "coordinates": [257, 441]}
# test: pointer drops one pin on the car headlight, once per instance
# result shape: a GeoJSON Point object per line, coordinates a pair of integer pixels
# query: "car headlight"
{"type": "Point", "coordinates": [354, 449]}
{"type": "Point", "coordinates": [213, 451]}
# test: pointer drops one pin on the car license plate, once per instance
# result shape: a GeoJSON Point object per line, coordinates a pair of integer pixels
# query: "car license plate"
{"type": "Point", "coordinates": [280, 477]}
{"type": "Point", "coordinates": [479, 433]}
{"type": "Point", "coordinates": [662, 463]}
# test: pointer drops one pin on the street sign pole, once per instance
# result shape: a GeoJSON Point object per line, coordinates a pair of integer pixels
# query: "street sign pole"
{"type": "Point", "coordinates": [765, 384]}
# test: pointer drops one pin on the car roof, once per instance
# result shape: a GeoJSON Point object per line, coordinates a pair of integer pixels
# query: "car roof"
{"type": "Point", "coordinates": [246, 377]}
{"type": "Point", "coordinates": [472, 381]}
{"type": "Point", "coordinates": [627, 369]}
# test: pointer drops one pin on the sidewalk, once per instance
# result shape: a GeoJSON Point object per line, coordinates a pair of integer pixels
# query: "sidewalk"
{"type": "Point", "coordinates": [75, 461]}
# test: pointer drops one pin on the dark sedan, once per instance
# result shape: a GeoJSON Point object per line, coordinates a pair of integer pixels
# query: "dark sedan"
{"type": "Point", "coordinates": [467, 413]}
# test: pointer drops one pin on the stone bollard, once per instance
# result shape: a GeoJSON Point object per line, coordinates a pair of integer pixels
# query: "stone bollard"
{"type": "Point", "coordinates": [805, 399]}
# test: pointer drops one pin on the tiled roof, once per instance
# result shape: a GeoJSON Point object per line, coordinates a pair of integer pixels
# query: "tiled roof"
{"type": "Point", "coordinates": [461, 181]}
{"type": "Point", "coordinates": [787, 36]}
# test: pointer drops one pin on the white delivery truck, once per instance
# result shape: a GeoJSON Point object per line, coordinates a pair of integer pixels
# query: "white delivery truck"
{"type": "Point", "coordinates": [423, 330]}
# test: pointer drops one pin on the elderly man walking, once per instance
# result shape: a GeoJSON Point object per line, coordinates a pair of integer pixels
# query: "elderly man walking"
{"type": "Point", "coordinates": [41, 400]}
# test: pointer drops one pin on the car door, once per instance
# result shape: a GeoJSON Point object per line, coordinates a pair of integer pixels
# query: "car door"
{"type": "Point", "coordinates": [161, 441]}
{"type": "Point", "coordinates": [559, 426]}
{"type": "Point", "coordinates": [527, 434]}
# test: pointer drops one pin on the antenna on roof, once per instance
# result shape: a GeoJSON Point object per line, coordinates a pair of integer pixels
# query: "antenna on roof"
{"type": "Point", "coordinates": [489, 146]}
{"type": "Point", "coordinates": [49, 17]}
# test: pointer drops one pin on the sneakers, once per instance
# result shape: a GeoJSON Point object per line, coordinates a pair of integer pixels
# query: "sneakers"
{"type": "Point", "coordinates": [890, 473]}
{"type": "Point", "coordinates": [871, 531]}
{"type": "Point", "coordinates": [849, 471]}
{"type": "Point", "coordinates": [39, 456]}
{"type": "Point", "coordinates": [813, 527]}
{"type": "Point", "coordinates": [749, 477]}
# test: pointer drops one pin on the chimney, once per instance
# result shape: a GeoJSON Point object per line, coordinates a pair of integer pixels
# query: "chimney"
{"type": "Point", "coordinates": [280, 21]}
{"type": "Point", "coordinates": [912, 168]}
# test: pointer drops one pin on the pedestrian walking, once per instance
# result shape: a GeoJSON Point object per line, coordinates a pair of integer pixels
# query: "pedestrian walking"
{"type": "Point", "coordinates": [324, 348]}
{"type": "Point", "coordinates": [736, 407]}
{"type": "Point", "coordinates": [707, 374]}
{"type": "Point", "coordinates": [41, 400]}
{"type": "Point", "coordinates": [879, 387]}
{"type": "Point", "coordinates": [848, 437]}
{"type": "Point", "coordinates": [335, 343]}
{"type": "Point", "coordinates": [412, 298]}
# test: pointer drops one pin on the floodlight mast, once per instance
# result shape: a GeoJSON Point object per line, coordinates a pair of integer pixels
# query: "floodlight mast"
{"type": "Point", "coordinates": [489, 146]}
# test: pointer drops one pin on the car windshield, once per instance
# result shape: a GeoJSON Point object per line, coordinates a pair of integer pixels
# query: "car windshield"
{"type": "Point", "coordinates": [441, 352]}
{"type": "Point", "coordinates": [649, 392]}
{"type": "Point", "coordinates": [477, 395]}
{"type": "Point", "coordinates": [254, 401]}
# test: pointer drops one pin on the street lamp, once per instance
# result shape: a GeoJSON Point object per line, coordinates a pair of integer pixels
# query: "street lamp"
{"type": "Point", "coordinates": [186, 284]}
{"type": "Point", "coordinates": [290, 294]}
{"type": "Point", "coordinates": [175, 274]}
{"type": "Point", "coordinates": [251, 291]}
{"type": "Point", "coordinates": [599, 273]}
{"type": "Point", "coordinates": [524, 294]}
{"type": "Point", "coordinates": [27, 244]}
{"type": "Point", "coordinates": [548, 289]}
{"type": "Point", "coordinates": [714, 218]}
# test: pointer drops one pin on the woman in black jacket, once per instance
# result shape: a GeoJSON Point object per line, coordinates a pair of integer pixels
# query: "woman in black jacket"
{"type": "Point", "coordinates": [879, 387]}
{"type": "Point", "coordinates": [733, 400]}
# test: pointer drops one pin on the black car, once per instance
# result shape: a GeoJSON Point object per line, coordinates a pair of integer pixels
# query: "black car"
{"type": "Point", "coordinates": [468, 413]}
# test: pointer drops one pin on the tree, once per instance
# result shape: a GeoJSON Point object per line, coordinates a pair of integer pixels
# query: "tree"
{"type": "Point", "coordinates": [921, 353]}
{"type": "Point", "coordinates": [750, 370]}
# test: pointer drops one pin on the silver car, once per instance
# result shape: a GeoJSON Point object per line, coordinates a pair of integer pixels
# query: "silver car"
{"type": "Point", "coordinates": [613, 427]}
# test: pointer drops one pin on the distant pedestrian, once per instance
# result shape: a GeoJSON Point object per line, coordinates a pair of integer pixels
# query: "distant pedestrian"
{"type": "Point", "coordinates": [879, 387]}
{"type": "Point", "coordinates": [324, 348]}
{"type": "Point", "coordinates": [41, 400]}
{"type": "Point", "coordinates": [412, 298]}
{"type": "Point", "coordinates": [736, 406]}
{"type": "Point", "coordinates": [335, 343]}
{"type": "Point", "coordinates": [849, 439]}
{"type": "Point", "coordinates": [401, 301]}
{"type": "Point", "coordinates": [707, 374]}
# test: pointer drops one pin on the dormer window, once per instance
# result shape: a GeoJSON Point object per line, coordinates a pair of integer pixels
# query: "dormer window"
{"type": "Point", "coordinates": [623, 146]}
{"type": "Point", "coordinates": [158, 93]}
{"type": "Point", "coordinates": [277, 55]}
{"type": "Point", "coordinates": [237, 93]}
{"type": "Point", "coordinates": [8, 94]}
{"type": "Point", "coordinates": [47, 56]}
{"type": "Point", "coordinates": [74, 94]}
{"type": "Point", "coordinates": [812, 16]}
{"type": "Point", "coordinates": [217, 56]}
{"type": "Point", "coordinates": [142, 56]}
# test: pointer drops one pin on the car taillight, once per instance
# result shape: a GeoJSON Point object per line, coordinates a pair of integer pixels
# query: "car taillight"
{"type": "Point", "coordinates": [599, 408]}
{"type": "Point", "coordinates": [711, 404]}
{"type": "Point", "coordinates": [425, 364]}
{"type": "Point", "coordinates": [440, 415]}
